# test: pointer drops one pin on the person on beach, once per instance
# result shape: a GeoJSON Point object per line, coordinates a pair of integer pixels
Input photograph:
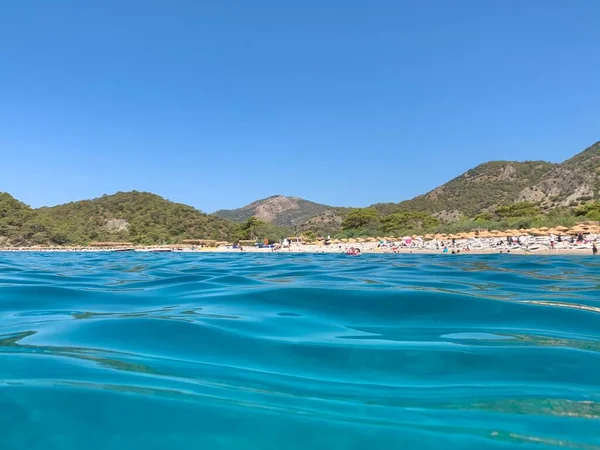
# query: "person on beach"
{"type": "Point", "coordinates": [594, 249]}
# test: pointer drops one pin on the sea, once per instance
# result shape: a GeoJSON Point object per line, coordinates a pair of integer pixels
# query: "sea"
{"type": "Point", "coordinates": [298, 351]}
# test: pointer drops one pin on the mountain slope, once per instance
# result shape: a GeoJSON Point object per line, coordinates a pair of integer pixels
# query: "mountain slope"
{"type": "Point", "coordinates": [489, 184]}
{"type": "Point", "coordinates": [138, 217]}
{"type": "Point", "coordinates": [573, 182]}
{"type": "Point", "coordinates": [17, 221]}
{"type": "Point", "coordinates": [568, 184]}
{"type": "Point", "coordinates": [278, 209]}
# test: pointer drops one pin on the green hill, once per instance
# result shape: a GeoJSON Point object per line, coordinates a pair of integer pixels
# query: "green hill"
{"type": "Point", "coordinates": [489, 184]}
{"type": "Point", "coordinates": [19, 224]}
{"type": "Point", "coordinates": [571, 183]}
{"type": "Point", "coordinates": [137, 217]}
{"type": "Point", "coordinates": [568, 184]}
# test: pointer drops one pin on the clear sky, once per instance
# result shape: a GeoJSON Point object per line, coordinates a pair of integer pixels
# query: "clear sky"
{"type": "Point", "coordinates": [219, 103]}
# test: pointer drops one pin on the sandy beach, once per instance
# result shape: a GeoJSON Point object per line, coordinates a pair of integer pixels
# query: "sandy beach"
{"type": "Point", "coordinates": [527, 246]}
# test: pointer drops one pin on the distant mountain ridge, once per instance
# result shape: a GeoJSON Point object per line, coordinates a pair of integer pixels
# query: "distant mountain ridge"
{"type": "Point", "coordinates": [142, 217]}
{"type": "Point", "coordinates": [278, 209]}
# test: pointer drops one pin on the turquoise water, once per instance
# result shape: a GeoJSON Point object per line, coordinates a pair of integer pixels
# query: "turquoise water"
{"type": "Point", "coordinates": [218, 351]}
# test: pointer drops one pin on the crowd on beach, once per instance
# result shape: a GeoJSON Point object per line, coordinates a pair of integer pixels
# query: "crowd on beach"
{"type": "Point", "coordinates": [524, 244]}
{"type": "Point", "coordinates": [583, 238]}
{"type": "Point", "coordinates": [576, 241]}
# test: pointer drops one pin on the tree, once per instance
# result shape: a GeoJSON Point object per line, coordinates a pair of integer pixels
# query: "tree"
{"type": "Point", "coordinates": [254, 228]}
{"type": "Point", "coordinates": [360, 218]}
{"type": "Point", "coordinates": [484, 217]}
{"type": "Point", "coordinates": [409, 221]}
{"type": "Point", "coordinates": [519, 209]}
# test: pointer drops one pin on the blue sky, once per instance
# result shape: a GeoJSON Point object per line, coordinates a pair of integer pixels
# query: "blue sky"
{"type": "Point", "coordinates": [217, 104]}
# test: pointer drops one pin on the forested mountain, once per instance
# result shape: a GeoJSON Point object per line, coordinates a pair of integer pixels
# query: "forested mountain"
{"type": "Point", "coordinates": [489, 184]}
{"type": "Point", "coordinates": [137, 217]}
{"type": "Point", "coordinates": [569, 184]}
{"type": "Point", "coordinates": [19, 224]}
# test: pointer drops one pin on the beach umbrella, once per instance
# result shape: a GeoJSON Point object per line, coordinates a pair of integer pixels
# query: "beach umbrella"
{"type": "Point", "coordinates": [544, 229]}
{"type": "Point", "coordinates": [561, 228]}
{"type": "Point", "coordinates": [344, 241]}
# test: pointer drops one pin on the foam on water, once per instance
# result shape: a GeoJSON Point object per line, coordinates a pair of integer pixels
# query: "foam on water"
{"type": "Point", "coordinates": [221, 351]}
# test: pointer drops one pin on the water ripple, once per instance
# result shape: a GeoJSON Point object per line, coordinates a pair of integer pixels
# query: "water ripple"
{"type": "Point", "coordinates": [221, 351]}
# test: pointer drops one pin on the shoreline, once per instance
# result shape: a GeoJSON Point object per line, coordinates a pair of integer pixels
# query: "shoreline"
{"type": "Point", "coordinates": [523, 245]}
{"type": "Point", "coordinates": [309, 249]}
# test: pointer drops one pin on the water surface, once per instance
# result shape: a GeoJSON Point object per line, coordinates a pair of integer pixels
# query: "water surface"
{"type": "Point", "coordinates": [227, 351]}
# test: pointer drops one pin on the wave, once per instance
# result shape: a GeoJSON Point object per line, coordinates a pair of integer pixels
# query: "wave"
{"type": "Point", "coordinates": [298, 351]}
